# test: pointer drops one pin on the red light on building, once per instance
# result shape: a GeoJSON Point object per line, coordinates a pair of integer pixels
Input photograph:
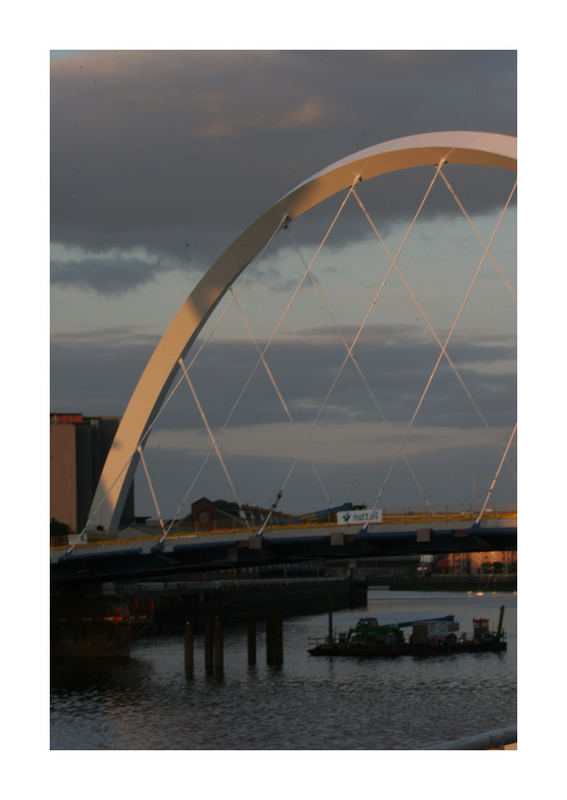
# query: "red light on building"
{"type": "Point", "coordinates": [67, 419]}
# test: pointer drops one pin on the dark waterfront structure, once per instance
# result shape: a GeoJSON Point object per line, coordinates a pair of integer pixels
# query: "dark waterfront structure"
{"type": "Point", "coordinates": [236, 600]}
{"type": "Point", "coordinates": [91, 623]}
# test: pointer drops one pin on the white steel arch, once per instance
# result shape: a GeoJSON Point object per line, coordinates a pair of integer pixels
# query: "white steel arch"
{"type": "Point", "coordinates": [452, 147]}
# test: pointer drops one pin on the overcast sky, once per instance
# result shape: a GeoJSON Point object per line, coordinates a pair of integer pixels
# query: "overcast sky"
{"type": "Point", "coordinates": [160, 159]}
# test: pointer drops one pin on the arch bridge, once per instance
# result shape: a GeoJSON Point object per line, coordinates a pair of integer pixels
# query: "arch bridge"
{"type": "Point", "coordinates": [435, 150]}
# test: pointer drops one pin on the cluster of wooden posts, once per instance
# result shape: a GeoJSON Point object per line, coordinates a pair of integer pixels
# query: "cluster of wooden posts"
{"type": "Point", "coordinates": [214, 644]}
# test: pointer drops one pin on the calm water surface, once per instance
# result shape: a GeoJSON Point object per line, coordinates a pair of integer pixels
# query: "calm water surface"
{"type": "Point", "coordinates": [308, 703]}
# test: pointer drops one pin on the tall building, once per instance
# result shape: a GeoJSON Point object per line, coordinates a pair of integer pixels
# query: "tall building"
{"type": "Point", "coordinates": [79, 446]}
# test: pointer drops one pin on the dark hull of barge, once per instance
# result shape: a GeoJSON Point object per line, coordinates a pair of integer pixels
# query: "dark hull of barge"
{"type": "Point", "coordinates": [407, 649]}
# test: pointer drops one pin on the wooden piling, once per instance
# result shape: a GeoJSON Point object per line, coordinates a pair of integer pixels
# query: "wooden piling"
{"type": "Point", "coordinates": [269, 640]}
{"type": "Point", "coordinates": [218, 647]}
{"type": "Point", "coordinates": [274, 640]}
{"type": "Point", "coordinates": [188, 650]}
{"type": "Point", "coordinates": [278, 640]}
{"type": "Point", "coordinates": [209, 648]}
{"type": "Point", "coordinates": [251, 640]}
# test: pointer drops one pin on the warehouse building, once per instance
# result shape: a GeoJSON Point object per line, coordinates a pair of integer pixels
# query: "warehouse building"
{"type": "Point", "coordinates": [78, 449]}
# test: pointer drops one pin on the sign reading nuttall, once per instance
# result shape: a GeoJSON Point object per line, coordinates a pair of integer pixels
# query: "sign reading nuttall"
{"type": "Point", "coordinates": [359, 516]}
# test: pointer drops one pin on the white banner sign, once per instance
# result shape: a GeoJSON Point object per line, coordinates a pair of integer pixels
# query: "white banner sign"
{"type": "Point", "coordinates": [358, 516]}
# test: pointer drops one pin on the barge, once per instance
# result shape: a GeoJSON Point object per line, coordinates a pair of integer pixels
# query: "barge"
{"type": "Point", "coordinates": [429, 637]}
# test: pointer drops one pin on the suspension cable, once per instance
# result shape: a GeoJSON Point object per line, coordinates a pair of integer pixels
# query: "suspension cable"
{"type": "Point", "coordinates": [215, 445]}
{"type": "Point", "coordinates": [255, 261]}
{"type": "Point", "coordinates": [250, 271]}
{"type": "Point", "coordinates": [354, 360]}
{"type": "Point", "coordinates": [447, 340]}
{"type": "Point", "coordinates": [269, 342]}
{"type": "Point", "coordinates": [496, 476]}
{"type": "Point", "coordinates": [352, 346]}
{"type": "Point", "coordinates": [479, 237]}
{"type": "Point", "coordinates": [264, 362]}
{"type": "Point", "coordinates": [234, 295]}
{"type": "Point", "coordinates": [205, 341]}
{"type": "Point", "coordinates": [427, 321]}
{"type": "Point", "coordinates": [154, 498]}
{"type": "Point", "coordinates": [273, 381]}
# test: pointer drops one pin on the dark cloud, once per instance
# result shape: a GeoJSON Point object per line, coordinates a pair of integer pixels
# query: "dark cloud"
{"type": "Point", "coordinates": [461, 473]}
{"type": "Point", "coordinates": [99, 375]}
{"type": "Point", "coordinates": [162, 150]}
{"type": "Point", "coordinates": [114, 275]}
{"type": "Point", "coordinates": [397, 372]}
{"type": "Point", "coordinates": [159, 160]}
{"type": "Point", "coordinates": [96, 372]}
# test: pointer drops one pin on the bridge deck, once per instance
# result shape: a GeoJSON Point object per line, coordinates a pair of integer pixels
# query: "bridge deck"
{"type": "Point", "coordinates": [150, 534]}
{"type": "Point", "coordinates": [109, 559]}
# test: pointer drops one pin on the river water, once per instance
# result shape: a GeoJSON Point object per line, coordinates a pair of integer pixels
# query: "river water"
{"type": "Point", "coordinates": [148, 703]}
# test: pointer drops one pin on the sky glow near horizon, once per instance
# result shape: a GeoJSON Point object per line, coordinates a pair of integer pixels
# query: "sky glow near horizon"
{"type": "Point", "coordinates": [140, 209]}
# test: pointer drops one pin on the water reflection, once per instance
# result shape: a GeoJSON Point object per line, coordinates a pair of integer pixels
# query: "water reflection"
{"type": "Point", "coordinates": [98, 674]}
{"type": "Point", "coordinates": [307, 703]}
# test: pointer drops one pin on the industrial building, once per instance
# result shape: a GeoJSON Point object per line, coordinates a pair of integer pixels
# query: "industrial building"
{"type": "Point", "coordinates": [78, 449]}
{"type": "Point", "coordinates": [494, 562]}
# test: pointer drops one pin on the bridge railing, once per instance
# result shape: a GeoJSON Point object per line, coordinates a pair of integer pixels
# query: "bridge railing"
{"type": "Point", "coordinates": [148, 532]}
{"type": "Point", "coordinates": [391, 518]}
{"type": "Point", "coordinates": [502, 739]}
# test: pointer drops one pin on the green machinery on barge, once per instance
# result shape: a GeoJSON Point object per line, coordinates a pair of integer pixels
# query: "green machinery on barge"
{"type": "Point", "coordinates": [438, 636]}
